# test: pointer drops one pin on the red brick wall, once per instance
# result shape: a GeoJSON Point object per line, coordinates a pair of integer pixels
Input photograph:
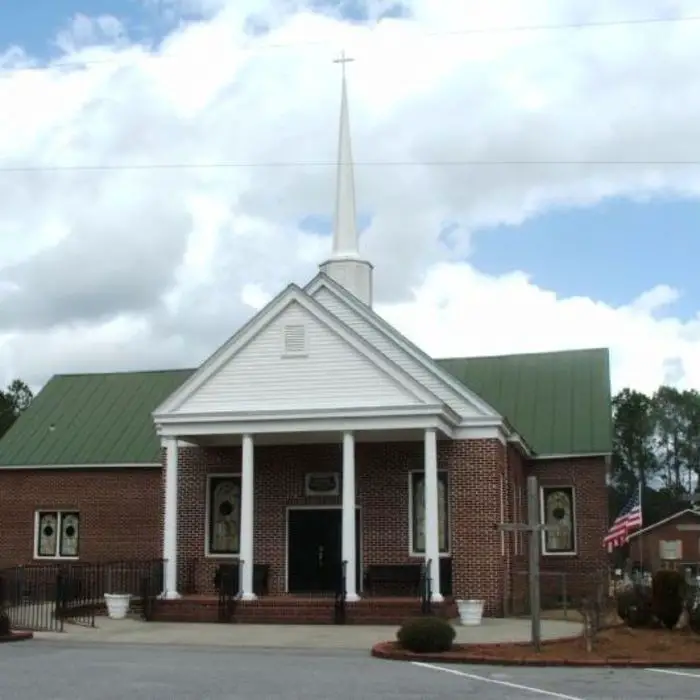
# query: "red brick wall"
{"type": "Point", "coordinates": [646, 547]}
{"type": "Point", "coordinates": [475, 498]}
{"type": "Point", "coordinates": [516, 542]}
{"type": "Point", "coordinates": [474, 469]}
{"type": "Point", "coordinates": [589, 565]}
{"type": "Point", "coordinates": [381, 482]}
{"type": "Point", "coordinates": [120, 511]}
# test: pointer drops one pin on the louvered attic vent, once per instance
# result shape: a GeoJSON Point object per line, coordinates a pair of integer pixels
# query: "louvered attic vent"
{"type": "Point", "coordinates": [295, 340]}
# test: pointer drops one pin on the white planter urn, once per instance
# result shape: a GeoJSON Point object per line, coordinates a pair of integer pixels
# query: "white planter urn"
{"type": "Point", "coordinates": [470, 611]}
{"type": "Point", "coordinates": [117, 605]}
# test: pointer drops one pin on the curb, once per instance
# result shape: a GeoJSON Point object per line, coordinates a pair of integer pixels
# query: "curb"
{"type": "Point", "coordinates": [17, 637]}
{"type": "Point", "coordinates": [389, 651]}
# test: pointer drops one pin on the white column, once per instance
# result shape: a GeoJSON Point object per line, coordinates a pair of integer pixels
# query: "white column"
{"type": "Point", "coordinates": [247, 488]}
{"type": "Point", "coordinates": [432, 538]}
{"type": "Point", "coordinates": [349, 549]}
{"type": "Point", "coordinates": [170, 520]}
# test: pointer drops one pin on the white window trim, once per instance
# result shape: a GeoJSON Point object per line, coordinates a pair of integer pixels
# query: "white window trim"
{"type": "Point", "coordinates": [411, 552]}
{"type": "Point", "coordinates": [207, 514]}
{"type": "Point", "coordinates": [678, 544]}
{"type": "Point", "coordinates": [59, 514]}
{"type": "Point", "coordinates": [543, 538]}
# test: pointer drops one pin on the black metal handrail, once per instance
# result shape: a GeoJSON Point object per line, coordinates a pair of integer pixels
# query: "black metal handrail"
{"type": "Point", "coordinates": [230, 589]}
{"type": "Point", "coordinates": [151, 588]}
{"type": "Point", "coordinates": [426, 584]}
{"type": "Point", "coordinates": [341, 594]}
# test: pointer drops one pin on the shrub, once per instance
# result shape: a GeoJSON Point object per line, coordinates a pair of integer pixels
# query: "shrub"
{"type": "Point", "coordinates": [4, 624]}
{"type": "Point", "coordinates": [426, 634]}
{"type": "Point", "coordinates": [623, 600]}
{"type": "Point", "coordinates": [668, 593]}
{"type": "Point", "coordinates": [634, 606]}
{"type": "Point", "coordinates": [640, 612]}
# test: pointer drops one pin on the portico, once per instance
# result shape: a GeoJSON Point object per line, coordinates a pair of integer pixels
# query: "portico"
{"type": "Point", "coordinates": [246, 441]}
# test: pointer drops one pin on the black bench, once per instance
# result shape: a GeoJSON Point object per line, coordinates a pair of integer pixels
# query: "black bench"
{"type": "Point", "coordinates": [231, 572]}
{"type": "Point", "coordinates": [403, 579]}
{"type": "Point", "coordinates": [395, 579]}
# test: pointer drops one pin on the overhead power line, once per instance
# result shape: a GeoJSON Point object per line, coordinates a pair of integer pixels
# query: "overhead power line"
{"type": "Point", "coordinates": [439, 33]}
{"type": "Point", "coordinates": [333, 164]}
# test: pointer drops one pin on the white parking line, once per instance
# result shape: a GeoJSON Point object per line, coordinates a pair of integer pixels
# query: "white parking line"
{"type": "Point", "coordinates": [507, 684]}
{"type": "Point", "coordinates": [674, 672]}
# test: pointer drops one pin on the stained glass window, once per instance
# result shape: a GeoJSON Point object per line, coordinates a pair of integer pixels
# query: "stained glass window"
{"type": "Point", "coordinates": [58, 534]}
{"type": "Point", "coordinates": [224, 515]}
{"type": "Point", "coordinates": [558, 503]}
{"type": "Point", "coordinates": [418, 512]}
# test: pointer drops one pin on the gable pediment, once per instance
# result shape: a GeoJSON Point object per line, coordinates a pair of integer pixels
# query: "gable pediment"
{"type": "Point", "coordinates": [368, 324]}
{"type": "Point", "coordinates": [295, 355]}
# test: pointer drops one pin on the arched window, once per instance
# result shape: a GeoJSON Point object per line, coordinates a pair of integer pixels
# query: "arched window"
{"type": "Point", "coordinates": [558, 507]}
{"type": "Point", "coordinates": [418, 512]}
{"type": "Point", "coordinates": [57, 534]}
{"type": "Point", "coordinates": [224, 515]}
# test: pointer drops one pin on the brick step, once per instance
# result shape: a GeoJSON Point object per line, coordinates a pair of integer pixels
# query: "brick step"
{"type": "Point", "coordinates": [290, 610]}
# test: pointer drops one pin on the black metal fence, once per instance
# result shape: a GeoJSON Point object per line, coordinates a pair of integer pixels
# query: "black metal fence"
{"type": "Point", "coordinates": [42, 597]}
{"type": "Point", "coordinates": [341, 594]}
{"type": "Point", "coordinates": [426, 588]}
{"type": "Point", "coordinates": [229, 583]}
{"type": "Point", "coordinates": [561, 593]}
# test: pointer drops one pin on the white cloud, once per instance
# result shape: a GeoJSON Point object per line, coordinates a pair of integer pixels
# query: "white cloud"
{"type": "Point", "coordinates": [122, 268]}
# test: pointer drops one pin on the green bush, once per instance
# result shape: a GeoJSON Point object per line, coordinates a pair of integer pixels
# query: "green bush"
{"type": "Point", "coordinates": [668, 595]}
{"type": "Point", "coordinates": [623, 600]}
{"type": "Point", "coordinates": [634, 606]}
{"type": "Point", "coordinates": [4, 624]}
{"type": "Point", "coordinates": [426, 635]}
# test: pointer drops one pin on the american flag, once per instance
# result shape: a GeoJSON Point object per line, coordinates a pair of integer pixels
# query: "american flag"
{"type": "Point", "coordinates": [629, 519]}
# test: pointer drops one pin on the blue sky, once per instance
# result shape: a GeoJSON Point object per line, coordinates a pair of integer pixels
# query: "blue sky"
{"type": "Point", "coordinates": [613, 251]}
{"type": "Point", "coordinates": [618, 249]}
{"type": "Point", "coordinates": [33, 24]}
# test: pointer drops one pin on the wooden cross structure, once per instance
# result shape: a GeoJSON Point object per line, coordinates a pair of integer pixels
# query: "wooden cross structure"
{"type": "Point", "coordinates": [534, 527]}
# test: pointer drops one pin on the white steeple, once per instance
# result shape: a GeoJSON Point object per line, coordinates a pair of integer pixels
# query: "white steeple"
{"type": "Point", "coordinates": [345, 265]}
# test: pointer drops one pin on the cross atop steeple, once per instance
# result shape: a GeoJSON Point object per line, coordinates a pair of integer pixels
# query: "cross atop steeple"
{"type": "Point", "coordinates": [343, 59]}
{"type": "Point", "coordinates": [345, 265]}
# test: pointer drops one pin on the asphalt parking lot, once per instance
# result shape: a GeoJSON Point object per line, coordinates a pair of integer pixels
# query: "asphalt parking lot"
{"type": "Point", "coordinates": [60, 671]}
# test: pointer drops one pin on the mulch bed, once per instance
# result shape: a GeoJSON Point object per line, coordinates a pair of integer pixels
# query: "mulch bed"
{"type": "Point", "coordinates": [618, 646]}
{"type": "Point", "coordinates": [16, 637]}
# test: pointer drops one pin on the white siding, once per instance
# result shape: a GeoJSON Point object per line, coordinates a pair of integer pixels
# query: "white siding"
{"type": "Point", "coordinates": [395, 353]}
{"type": "Point", "coordinates": [331, 374]}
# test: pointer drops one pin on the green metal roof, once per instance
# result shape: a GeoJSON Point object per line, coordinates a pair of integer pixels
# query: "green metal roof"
{"type": "Point", "coordinates": [91, 419]}
{"type": "Point", "coordinates": [559, 402]}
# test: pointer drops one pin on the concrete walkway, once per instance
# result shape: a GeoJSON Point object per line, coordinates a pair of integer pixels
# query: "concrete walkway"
{"type": "Point", "coordinates": [359, 637]}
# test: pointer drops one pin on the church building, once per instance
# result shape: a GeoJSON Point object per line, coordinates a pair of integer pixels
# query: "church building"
{"type": "Point", "coordinates": [318, 440]}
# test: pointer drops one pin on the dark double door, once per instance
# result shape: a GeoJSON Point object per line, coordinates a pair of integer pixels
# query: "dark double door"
{"type": "Point", "coordinates": [315, 549]}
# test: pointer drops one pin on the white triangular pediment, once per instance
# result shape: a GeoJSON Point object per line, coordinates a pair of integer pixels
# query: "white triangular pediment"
{"type": "Point", "coordinates": [381, 335]}
{"type": "Point", "coordinates": [295, 355]}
